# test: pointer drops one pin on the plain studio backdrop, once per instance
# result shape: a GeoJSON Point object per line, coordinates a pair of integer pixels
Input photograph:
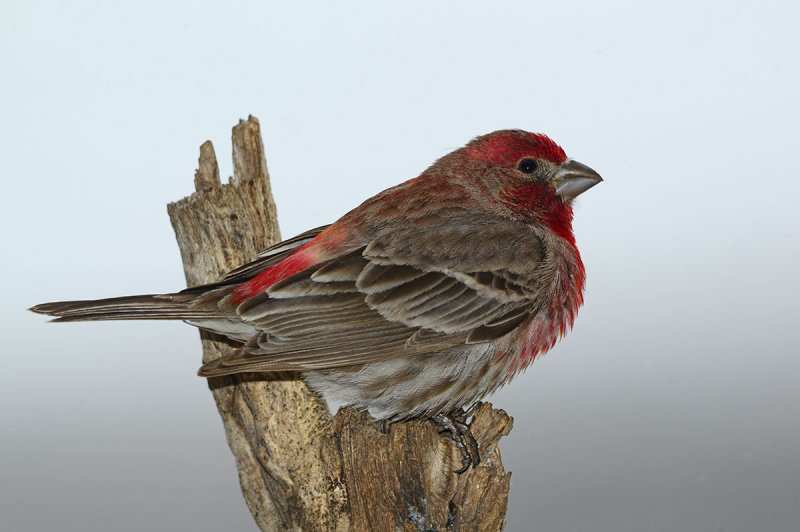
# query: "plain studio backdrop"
{"type": "Point", "coordinates": [673, 404]}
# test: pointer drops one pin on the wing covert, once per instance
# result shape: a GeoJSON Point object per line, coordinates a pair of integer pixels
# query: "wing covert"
{"type": "Point", "coordinates": [384, 301]}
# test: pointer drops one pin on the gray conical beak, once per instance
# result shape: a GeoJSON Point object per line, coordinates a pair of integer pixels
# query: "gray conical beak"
{"type": "Point", "coordinates": [574, 178]}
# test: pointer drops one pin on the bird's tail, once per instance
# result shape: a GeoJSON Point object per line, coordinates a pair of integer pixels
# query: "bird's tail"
{"type": "Point", "coordinates": [180, 306]}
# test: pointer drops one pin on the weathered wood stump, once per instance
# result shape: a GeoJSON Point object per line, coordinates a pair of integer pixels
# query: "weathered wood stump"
{"type": "Point", "coordinates": [299, 468]}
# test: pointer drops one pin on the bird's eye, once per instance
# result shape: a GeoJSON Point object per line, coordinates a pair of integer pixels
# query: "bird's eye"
{"type": "Point", "coordinates": [527, 166]}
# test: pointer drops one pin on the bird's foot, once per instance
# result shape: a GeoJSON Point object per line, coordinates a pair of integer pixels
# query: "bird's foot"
{"type": "Point", "coordinates": [455, 426]}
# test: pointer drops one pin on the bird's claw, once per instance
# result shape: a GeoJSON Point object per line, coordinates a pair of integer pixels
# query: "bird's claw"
{"type": "Point", "coordinates": [455, 426]}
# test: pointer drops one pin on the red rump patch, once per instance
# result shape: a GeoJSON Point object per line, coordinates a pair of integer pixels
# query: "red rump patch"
{"type": "Point", "coordinates": [309, 254]}
{"type": "Point", "coordinates": [506, 148]}
{"type": "Point", "coordinates": [296, 262]}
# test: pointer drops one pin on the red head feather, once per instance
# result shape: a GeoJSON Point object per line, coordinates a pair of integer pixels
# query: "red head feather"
{"type": "Point", "coordinates": [507, 147]}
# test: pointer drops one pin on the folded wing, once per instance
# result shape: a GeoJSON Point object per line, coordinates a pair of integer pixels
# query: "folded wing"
{"type": "Point", "coordinates": [387, 300]}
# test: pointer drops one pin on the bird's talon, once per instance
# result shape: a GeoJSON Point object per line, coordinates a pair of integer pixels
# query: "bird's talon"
{"type": "Point", "coordinates": [457, 430]}
{"type": "Point", "coordinates": [466, 461]}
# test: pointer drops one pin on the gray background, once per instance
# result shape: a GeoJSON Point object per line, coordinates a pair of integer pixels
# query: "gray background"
{"type": "Point", "coordinates": [671, 406]}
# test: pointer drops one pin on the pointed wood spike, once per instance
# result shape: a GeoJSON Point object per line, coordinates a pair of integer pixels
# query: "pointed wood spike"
{"type": "Point", "coordinates": [207, 174]}
{"type": "Point", "coordinates": [249, 161]}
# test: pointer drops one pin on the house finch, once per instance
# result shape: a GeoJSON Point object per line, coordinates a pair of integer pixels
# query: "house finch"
{"type": "Point", "coordinates": [419, 302]}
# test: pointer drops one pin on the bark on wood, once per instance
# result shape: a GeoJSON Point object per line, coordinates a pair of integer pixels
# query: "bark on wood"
{"type": "Point", "coordinates": [299, 468]}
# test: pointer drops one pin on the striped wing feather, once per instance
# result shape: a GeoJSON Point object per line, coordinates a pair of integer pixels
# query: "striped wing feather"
{"type": "Point", "coordinates": [356, 309]}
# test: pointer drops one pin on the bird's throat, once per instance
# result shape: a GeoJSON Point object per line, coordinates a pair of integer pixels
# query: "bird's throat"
{"type": "Point", "coordinates": [537, 203]}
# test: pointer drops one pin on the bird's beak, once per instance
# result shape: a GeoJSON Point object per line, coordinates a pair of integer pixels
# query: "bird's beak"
{"type": "Point", "coordinates": [574, 178]}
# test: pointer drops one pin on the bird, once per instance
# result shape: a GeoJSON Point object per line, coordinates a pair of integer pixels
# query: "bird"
{"type": "Point", "coordinates": [418, 303]}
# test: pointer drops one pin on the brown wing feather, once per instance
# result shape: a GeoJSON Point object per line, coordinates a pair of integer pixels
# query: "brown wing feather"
{"type": "Point", "coordinates": [376, 303]}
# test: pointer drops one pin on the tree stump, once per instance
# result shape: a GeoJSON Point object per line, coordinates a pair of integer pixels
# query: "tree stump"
{"type": "Point", "coordinates": [299, 468]}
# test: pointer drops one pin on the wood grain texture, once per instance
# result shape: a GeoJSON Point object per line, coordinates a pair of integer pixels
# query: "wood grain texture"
{"type": "Point", "coordinates": [299, 468]}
